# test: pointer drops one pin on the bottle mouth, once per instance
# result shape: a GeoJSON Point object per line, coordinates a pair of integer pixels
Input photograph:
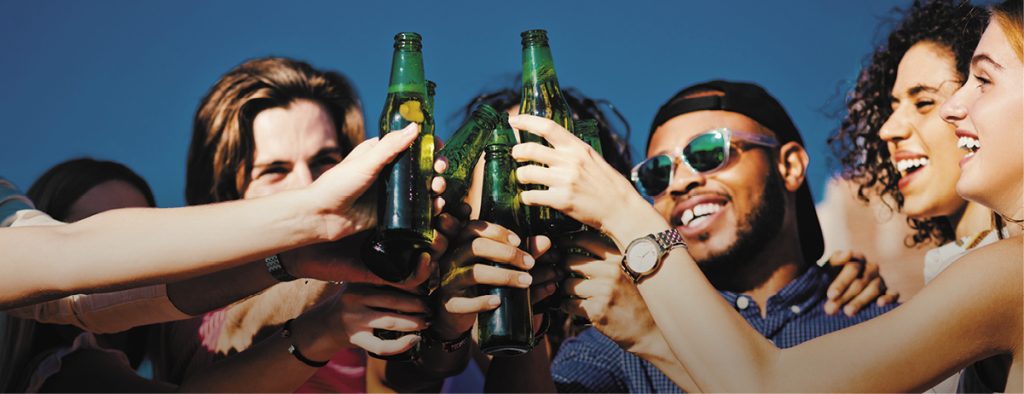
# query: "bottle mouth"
{"type": "Point", "coordinates": [487, 113]}
{"type": "Point", "coordinates": [534, 37]}
{"type": "Point", "coordinates": [408, 40]}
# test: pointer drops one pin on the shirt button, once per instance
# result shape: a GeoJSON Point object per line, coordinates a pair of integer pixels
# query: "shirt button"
{"type": "Point", "coordinates": [742, 303]}
{"type": "Point", "coordinates": [795, 309]}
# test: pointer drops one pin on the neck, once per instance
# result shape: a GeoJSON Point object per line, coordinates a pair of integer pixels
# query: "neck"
{"type": "Point", "coordinates": [974, 218]}
{"type": "Point", "coordinates": [780, 262]}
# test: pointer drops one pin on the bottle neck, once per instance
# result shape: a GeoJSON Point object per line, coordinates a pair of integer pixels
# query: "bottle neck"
{"type": "Point", "coordinates": [538, 65]}
{"type": "Point", "coordinates": [407, 72]}
{"type": "Point", "coordinates": [499, 204]}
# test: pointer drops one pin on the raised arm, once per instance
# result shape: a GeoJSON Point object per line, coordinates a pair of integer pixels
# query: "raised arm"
{"type": "Point", "coordinates": [973, 311]}
{"type": "Point", "coordinates": [131, 247]}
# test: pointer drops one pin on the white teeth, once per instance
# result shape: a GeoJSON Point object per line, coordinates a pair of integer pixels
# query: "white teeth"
{"type": "Point", "coordinates": [692, 215]}
{"type": "Point", "coordinates": [968, 144]}
{"type": "Point", "coordinates": [907, 164]}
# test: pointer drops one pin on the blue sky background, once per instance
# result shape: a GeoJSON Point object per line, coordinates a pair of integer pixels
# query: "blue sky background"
{"type": "Point", "coordinates": [120, 80]}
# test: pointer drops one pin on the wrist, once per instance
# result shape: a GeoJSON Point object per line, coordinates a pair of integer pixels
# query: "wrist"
{"type": "Point", "coordinates": [634, 221]}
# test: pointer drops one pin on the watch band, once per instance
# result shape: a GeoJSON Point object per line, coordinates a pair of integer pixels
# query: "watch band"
{"type": "Point", "coordinates": [669, 239]}
{"type": "Point", "coordinates": [276, 269]}
{"type": "Point", "coordinates": [449, 346]}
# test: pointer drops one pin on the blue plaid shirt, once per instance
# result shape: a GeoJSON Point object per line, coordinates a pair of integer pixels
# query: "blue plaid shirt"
{"type": "Point", "coordinates": [591, 362]}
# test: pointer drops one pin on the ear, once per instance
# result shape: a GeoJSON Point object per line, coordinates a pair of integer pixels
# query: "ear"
{"type": "Point", "coordinates": [793, 165]}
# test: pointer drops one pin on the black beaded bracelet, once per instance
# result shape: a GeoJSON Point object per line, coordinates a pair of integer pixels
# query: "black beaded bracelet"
{"type": "Point", "coordinates": [286, 332]}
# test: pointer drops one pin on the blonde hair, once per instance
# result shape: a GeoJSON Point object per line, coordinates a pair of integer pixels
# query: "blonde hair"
{"type": "Point", "coordinates": [221, 153]}
{"type": "Point", "coordinates": [1010, 17]}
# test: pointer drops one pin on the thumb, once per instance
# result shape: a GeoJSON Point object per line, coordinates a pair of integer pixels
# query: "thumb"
{"type": "Point", "coordinates": [390, 146]}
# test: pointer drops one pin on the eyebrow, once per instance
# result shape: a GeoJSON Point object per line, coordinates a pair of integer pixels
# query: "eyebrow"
{"type": "Point", "coordinates": [321, 153]}
{"type": "Point", "coordinates": [981, 58]}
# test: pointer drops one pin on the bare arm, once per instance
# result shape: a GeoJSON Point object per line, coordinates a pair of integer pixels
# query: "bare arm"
{"type": "Point", "coordinates": [970, 312]}
{"type": "Point", "coordinates": [133, 247]}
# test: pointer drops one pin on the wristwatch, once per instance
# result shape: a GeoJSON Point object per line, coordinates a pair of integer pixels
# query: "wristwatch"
{"type": "Point", "coordinates": [276, 269]}
{"type": "Point", "coordinates": [644, 255]}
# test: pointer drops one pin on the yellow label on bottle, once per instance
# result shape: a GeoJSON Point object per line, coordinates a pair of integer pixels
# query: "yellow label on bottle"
{"type": "Point", "coordinates": [411, 111]}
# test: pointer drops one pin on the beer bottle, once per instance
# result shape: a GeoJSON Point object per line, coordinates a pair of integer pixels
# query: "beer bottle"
{"type": "Point", "coordinates": [507, 330]}
{"type": "Point", "coordinates": [404, 205]}
{"type": "Point", "coordinates": [463, 150]}
{"type": "Point", "coordinates": [429, 106]}
{"type": "Point", "coordinates": [542, 97]}
{"type": "Point", "coordinates": [586, 130]}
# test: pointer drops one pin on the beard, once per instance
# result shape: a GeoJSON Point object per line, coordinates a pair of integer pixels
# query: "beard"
{"type": "Point", "coordinates": [735, 269]}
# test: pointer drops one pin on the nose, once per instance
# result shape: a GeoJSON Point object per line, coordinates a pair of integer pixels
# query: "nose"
{"type": "Point", "coordinates": [953, 110]}
{"type": "Point", "coordinates": [685, 180]}
{"type": "Point", "coordinates": [894, 129]}
{"type": "Point", "coordinates": [300, 176]}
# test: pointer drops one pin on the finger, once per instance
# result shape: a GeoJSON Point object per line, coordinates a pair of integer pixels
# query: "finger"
{"type": "Point", "coordinates": [851, 292]}
{"type": "Point", "coordinates": [547, 198]}
{"type": "Point", "coordinates": [494, 252]}
{"type": "Point", "coordinates": [372, 344]}
{"type": "Point", "coordinates": [540, 293]}
{"type": "Point", "coordinates": [437, 185]}
{"type": "Point", "coordinates": [482, 229]}
{"type": "Point", "coordinates": [842, 282]}
{"type": "Point", "coordinates": [555, 134]}
{"type": "Point", "coordinates": [534, 152]}
{"type": "Point", "coordinates": [440, 165]}
{"type": "Point", "coordinates": [889, 298]}
{"type": "Point", "coordinates": [592, 242]}
{"type": "Point", "coordinates": [438, 246]}
{"type": "Point", "coordinates": [390, 299]}
{"type": "Point", "coordinates": [474, 305]}
{"type": "Point", "coordinates": [448, 225]}
{"type": "Point", "coordinates": [584, 288]}
{"type": "Point", "coordinates": [539, 245]}
{"type": "Point", "coordinates": [362, 148]}
{"type": "Point", "coordinates": [538, 175]}
{"type": "Point", "coordinates": [481, 274]}
{"type": "Point", "coordinates": [439, 204]}
{"type": "Point", "coordinates": [839, 258]}
{"type": "Point", "coordinates": [394, 321]}
{"type": "Point", "coordinates": [390, 146]}
{"type": "Point", "coordinates": [870, 293]}
{"type": "Point", "coordinates": [424, 269]}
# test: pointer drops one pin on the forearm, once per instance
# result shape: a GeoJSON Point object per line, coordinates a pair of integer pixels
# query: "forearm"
{"type": "Point", "coordinates": [528, 373]}
{"type": "Point", "coordinates": [132, 247]}
{"type": "Point", "coordinates": [205, 293]}
{"type": "Point", "coordinates": [268, 366]}
{"type": "Point", "coordinates": [713, 347]}
{"type": "Point", "coordinates": [655, 350]}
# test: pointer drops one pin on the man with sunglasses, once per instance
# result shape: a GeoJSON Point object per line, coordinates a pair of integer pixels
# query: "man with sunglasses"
{"type": "Point", "coordinates": [726, 167]}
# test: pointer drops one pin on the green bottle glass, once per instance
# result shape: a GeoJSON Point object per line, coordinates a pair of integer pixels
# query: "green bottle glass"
{"type": "Point", "coordinates": [543, 97]}
{"type": "Point", "coordinates": [429, 106]}
{"type": "Point", "coordinates": [405, 203]}
{"type": "Point", "coordinates": [507, 330]}
{"type": "Point", "coordinates": [463, 151]}
{"type": "Point", "coordinates": [586, 130]}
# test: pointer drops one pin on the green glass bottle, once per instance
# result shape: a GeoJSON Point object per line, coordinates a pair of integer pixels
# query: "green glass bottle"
{"type": "Point", "coordinates": [507, 330]}
{"type": "Point", "coordinates": [429, 106]}
{"type": "Point", "coordinates": [543, 97]}
{"type": "Point", "coordinates": [586, 130]}
{"type": "Point", "coordinates": [404, 205]}
{"type": "Point", "coordinates": [463, 151]}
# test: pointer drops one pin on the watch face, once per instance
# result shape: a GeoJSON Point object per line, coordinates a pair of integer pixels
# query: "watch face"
{"type": "Point", "coordinates": [643, 256]}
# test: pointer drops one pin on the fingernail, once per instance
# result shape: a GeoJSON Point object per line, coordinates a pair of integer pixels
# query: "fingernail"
{"type": "Point", "coordinates": [848, 310]}
{"type": "Point", "coordinates": [832, 293]}
{"type": "Point", "coordinates": [414, 129]}
{"type": "Point", "coordinates": [494, 301]}
{"type": "Point", "coordinates": [514, 239]}
{"type": "Point", "coordinates": [528, 261]}
{"type": "Point", "coordinates": [525, 279]}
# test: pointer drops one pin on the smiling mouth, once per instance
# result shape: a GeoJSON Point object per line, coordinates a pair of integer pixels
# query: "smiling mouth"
{"type": "Point", "coordinates": [909, 166]}
{"type": "Point", "coordinates": [699, 213]}
{"type": "Point", "coordinates": [969, 144]}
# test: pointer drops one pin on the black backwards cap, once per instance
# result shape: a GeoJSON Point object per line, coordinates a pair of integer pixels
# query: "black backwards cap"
{"type": "Point", "coordinates": [755, 103]}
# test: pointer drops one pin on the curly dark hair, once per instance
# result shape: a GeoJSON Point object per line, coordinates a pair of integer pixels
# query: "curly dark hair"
{"type": "Point", "coordinates": [864, 156]}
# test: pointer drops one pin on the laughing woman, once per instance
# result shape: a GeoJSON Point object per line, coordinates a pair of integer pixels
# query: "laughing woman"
{"type": "Point", "coordinates": [970, 312]}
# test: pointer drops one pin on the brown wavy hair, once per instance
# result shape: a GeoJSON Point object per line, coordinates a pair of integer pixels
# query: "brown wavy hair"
{"type": "Point", "coordinates": [864, 156]}
{"type": "Point", "coordinates": [221, 153]}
